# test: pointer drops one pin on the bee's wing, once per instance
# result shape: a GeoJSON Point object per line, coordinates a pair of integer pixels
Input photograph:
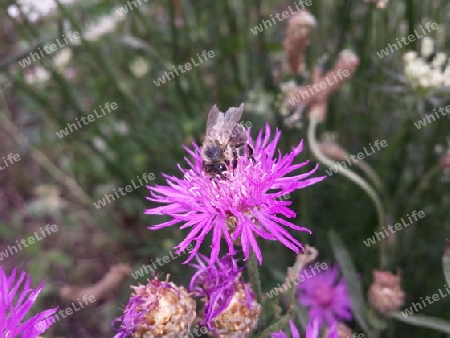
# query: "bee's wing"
{"type": "Point", "coordinates": [214, 117]}
{"type": "Point", "coordinates": [232, 117]}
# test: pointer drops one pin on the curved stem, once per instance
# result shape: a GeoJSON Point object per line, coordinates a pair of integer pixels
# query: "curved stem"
{"type": "Point", "coordinates": [373, 176]}
{"type": "Point", "coordinates": [253, 274]}
{"type": "Point", "coordinates": [255, 281]}
{"type": "Point", "coordinates": [354, 178]}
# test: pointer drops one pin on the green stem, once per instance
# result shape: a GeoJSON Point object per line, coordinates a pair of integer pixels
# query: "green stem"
{"type": "Point", "coordinates": [371, 174]}
{"type": "Point", "coordinates": [410, 16]}
{"type": "Point", "coordinates": [253, 275]}
{"type": "Point", "coordinates": [354, 178]}
{"type": "Point", "coordinates": [255, 281]}
{"type": "Point", "coordinates": [274, 327]}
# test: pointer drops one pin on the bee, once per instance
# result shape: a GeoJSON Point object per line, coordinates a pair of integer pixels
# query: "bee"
{"type": "Point", "coordinates": [224, 136]}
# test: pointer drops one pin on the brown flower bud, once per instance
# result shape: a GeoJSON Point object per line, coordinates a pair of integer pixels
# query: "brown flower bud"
{"type": "Point", "coordinates": [342, 330]}
{"type": "Point", "coordinates": [343, 70]}
{"type": "Point", "coordinates": [347, 60]}
{"type": "Point", "coordinates": [445, 160]}
{"type": "Point", "coordinates": [297, 39]}
{"type": "Point", "coordinates": [332, 150]}
{"type": "Point", "coordinates": [297, 98]}
{"type": "Point", "coordinates": [385, 294]}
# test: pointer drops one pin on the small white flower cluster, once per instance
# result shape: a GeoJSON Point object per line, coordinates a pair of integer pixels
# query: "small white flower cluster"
{"type": "Point", "coordinates": [139, 67]}
{"type": "Point", "coordinates": [37, 75]}
{"type": "Point", "coordinates": [428, 71]}
{"type": "Point", "coordinates": [259, 101]}
{"type": "Point", "coordinates": [104, 25]}
{"type": "Point", "coordinates": [62, 59]}
{"type": "Point", "coordinates": [119, 127]}
{"type": "Point", "coordinates": [381, 4]}
{"type": "Point", "coordinates": [35, 9]}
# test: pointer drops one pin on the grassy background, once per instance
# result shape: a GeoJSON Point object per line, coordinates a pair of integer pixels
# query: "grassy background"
{"type": "Point", "coordinates": [80, 168]}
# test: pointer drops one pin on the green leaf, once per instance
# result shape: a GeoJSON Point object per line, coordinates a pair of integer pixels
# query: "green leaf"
{"type": "Point", "coordinates": [423, 321]}
{"type": "Point", "coordinates": [352, 280]}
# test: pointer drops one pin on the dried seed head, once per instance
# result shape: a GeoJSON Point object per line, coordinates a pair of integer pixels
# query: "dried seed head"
{"type": "Point", "coordinates": [297, 39]}
{"type": "Point", "coordinates": [385, 293]}
{"type": "Point", "coordinates": [240, 317]}
{"type": "Point", "coordinates": [158, 309]}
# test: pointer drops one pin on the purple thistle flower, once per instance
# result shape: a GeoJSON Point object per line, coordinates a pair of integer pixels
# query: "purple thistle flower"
{"type": "Point", "coordinates": [312, 331]}
{"type": "Point", "coordinates": [220, 286]}
{"type": "Point", "coordinates": [247, 204]}
{"type": "Point", "coordinates": [325, 295]}
{"type": "Point", "coordinates": [216, 282]}
{"type": "Point", "coordinates": [14, 309]}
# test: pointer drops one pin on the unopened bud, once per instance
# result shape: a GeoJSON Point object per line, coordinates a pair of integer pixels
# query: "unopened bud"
{"type": "Point", "coordinates": [347, 60]}
{"type": "Point", "coordinates": [297, 39]}
{"type": "Point", "coordinates": [385, 293]}
{"type": "Point", "coordinates": [343, 70]}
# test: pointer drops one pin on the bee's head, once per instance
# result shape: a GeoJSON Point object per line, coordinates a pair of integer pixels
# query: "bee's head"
{"type": "Point", "coordinates": [215, 169]}
{"type": "Point", "coordinates": [220, 167]}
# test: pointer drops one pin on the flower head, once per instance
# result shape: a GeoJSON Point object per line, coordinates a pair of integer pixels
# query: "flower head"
{"type": "Point", "coordinates": [297, 39]}
{"type": "Point", "coordinates": [325, 295]}
{"type": "Point", "coordinates": [427, 72]}
{"type": "Point", "coordinates": [312, 331]}
{"type": "Point", "coordinates": [385, 293]}
{"type": "Point", "coordinates": [158, 309]}
{"type": "Point", "coordinates": [247, 204]}
{"type": "Point", "coordinates": [16, 299]}
{"type": "Point", "coordinates": [230, 306]}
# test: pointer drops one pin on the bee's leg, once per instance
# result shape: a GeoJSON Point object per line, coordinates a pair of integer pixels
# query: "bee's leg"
{"type": "Point", "coordinates": [235, 157]}
{"type": "Point", "coordinates": [250, 153]}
